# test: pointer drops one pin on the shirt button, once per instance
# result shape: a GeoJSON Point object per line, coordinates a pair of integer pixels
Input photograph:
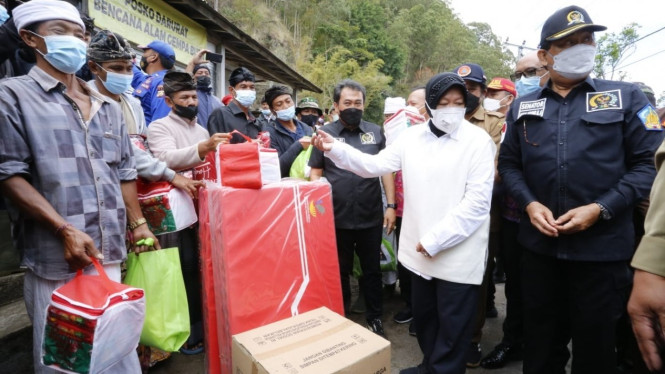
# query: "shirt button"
{"type": "Point", "coordinates": [563, 122]}
{"type": "Point", "coordinates": [101, 203]}
{"type": "Point", "coordinates": [560, 143]}
{"type": "Point", "coordinates": [98, 178]}
{"type": "Point", "coordinates": [561, 166]}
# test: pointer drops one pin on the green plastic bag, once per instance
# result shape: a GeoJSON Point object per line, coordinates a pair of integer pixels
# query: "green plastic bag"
{"type": "Point", "coordinates": [299, 168]}
{"type": "Point", "coordinates": [388, 259]}
{"type": "Point", "coordinates": [159, 274]}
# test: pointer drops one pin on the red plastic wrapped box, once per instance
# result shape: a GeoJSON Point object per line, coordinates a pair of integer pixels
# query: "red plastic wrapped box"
{"type": "Point", "coordinates": [267, 255]}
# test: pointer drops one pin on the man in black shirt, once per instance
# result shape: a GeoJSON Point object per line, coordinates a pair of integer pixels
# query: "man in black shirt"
{"type": "Point", "coordinates": [357, 201]}
{"type": "Point", "coordinates": [236, 115]}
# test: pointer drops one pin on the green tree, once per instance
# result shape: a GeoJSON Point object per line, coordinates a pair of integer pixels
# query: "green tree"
{"type": "Point", "coordinates": [327, 69]}
{"type": "Point", "coordinates": [613, 49]}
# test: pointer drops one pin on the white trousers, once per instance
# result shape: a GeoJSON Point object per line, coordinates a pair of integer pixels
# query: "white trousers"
{"type": "Point", "coordinates": [37, 294]}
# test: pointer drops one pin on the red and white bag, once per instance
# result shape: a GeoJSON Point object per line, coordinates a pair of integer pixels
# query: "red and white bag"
{"type": "Point", "coordinates": [92, 323]}
{"type": "Point", "coordinates": [242, 165]}
{"type": "Point", "coordinates": [399, 122]}
{"type": "Point", "coordinates": [165, 207]}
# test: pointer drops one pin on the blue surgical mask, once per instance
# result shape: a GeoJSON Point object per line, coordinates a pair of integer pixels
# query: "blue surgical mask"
{"type": "Point", "coordinates": [527, 85]}
{"type": "Point", "coordinates": [116, 83]}
{"type": "Point", "coordinates": [66, 53]}
{"type": "Point", "coordinates": [4, 16]}
{"type": "Point", "coordinates": [245, 97]}
{"type": "Point", "coordinates": [286, 114]}
{"type": "Point", "coordinates": [265, 112]}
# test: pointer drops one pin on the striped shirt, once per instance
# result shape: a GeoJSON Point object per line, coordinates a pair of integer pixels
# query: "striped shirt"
{"type": "Point", "coordinates": [77, 166]}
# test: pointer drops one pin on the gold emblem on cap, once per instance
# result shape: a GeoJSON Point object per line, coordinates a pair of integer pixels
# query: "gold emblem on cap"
{"type": "Point", "coordinates": [575, 17]}
{"type": "Point", "coordinates": [464, 70]}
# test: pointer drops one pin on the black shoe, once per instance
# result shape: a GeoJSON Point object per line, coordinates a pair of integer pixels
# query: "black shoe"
{"type": "Point", "coordinates": [376, 326]}
{"type": "Point", "coordinates": [412, 329]}
{"type": "Point", "coordinates": [473, 355]}
{"type": "Point", "coordinates": [491, 312]}
{"type": "Point", "coordinates": [501, 354]}
{"type": "Point", "coordinates": [403, 316]}
{"type": "Point", "coordinates": [420, 369]}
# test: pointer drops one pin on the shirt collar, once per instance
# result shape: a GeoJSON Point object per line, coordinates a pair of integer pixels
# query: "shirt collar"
{"type": "Point", "coordinates": [479, 113]}
{"type": "Point", "coordinates": [548, 86]}
{"type": "Point", "coordinates": [439, 134]}
{"type": "Point", "coordinates": [48, 83]}
{"type": "Point", "coordinates": [235, 109]}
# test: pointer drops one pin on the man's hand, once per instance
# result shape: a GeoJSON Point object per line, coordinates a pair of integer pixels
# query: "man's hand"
{"type": "Point", "coordinates": [305, 142]}
{"type": "Point", "coordinates": [210, 145]}
{"type": "Point", "coordinates": [542, 219]}
{"type": "Point", "coordinates": [578, 219]}
{"type": "Point", "coordinates": [647, 313]}
{"type": "Point", "coordinates": [142, 232]}
{"type": "Point", "coordinates": [389, 219]}
{"type": "Point", "coordinates": [322, 140]}
{"type": "Point", "coordinates": [421, 249]}
{"type": "Point", "coordinates": [79, 247]}
{"type": "Point", "coordinates": [188, 185]}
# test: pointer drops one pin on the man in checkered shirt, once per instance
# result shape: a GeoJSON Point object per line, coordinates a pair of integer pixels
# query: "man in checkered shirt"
{"type": "Point", "coordinates": [66, 166]}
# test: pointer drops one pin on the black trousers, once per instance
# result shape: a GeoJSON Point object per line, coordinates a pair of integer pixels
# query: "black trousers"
{"type": "Point", "coordinates": [187, 241]}
{"type": "Point", "coordinates": [576, 300]}
{"type": "Point", "coordinates": [403, 273]}
{"type": "Point", "coordinates": [511, 252]}
{"type": "Point", "coordinates": [443, 316]}
{"type": "Point", "coordinates": [367, 244]}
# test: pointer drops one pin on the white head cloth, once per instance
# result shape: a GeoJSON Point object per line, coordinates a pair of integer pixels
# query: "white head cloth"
{"type": "Point", "coordinates": [393, 104]}
{"type": "Point", "coordinates": [45, 10]}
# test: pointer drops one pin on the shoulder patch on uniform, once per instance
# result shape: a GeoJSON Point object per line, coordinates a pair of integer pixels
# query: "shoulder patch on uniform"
{"type": "Point", "coordinates": [160, 90]}
{"type": "Point", "coordinates": [532, 108]}
{"type": "Point", "coordinates": [146, 83]}
{"type": "Point", "coordinates": [605, 100]}
{"type": "Point", "coordinates": [367, 138]}
{"type": "Point", "coordinates": [649, 118]}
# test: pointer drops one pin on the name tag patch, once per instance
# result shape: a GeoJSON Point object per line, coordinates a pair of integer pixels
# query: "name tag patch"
{"type": "Point", "coordinates": [367, 138]}
{"type": "Point", "coordinates": [532, 108]}
{"type": "Point", "coordinates": [606, 100]}
{"type": "Point", "coordinates": [341, 140]}
{"type": "Point", "coordinates": [649, 118]}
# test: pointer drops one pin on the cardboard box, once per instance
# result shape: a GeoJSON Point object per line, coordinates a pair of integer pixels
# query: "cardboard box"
{"type": "Point", "coordinates": [266, 255]}
{"type": "Point", "coordinates": [317, 342]}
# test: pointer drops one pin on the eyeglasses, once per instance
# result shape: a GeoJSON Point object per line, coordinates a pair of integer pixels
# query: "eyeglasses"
{"type": "Point", "coordinates": [530, 72]}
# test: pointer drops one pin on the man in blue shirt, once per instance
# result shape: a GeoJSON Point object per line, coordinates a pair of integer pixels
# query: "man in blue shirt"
{"type": "Point", "coordinates": [577, 157]}
{"type": "Point", "coordinates": [158, 58]}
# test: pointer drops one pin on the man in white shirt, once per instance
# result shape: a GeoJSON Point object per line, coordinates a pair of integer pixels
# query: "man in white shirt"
{"type": "Point", "coordinates": [448, 173]}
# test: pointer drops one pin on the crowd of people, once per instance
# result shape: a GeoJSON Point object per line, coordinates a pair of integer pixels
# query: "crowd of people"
{"type": "Point", "coordinates": [549, 171]}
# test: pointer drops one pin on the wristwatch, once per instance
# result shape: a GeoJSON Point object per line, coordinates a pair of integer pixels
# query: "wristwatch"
{"type": "Point", "coordinates": [394, 206]}
{"type": "Point", "coordinates": [604, 213]}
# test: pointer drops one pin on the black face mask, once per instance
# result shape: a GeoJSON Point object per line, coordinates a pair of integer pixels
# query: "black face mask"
{"type": "Point", "coordinates": [188, 112]}
{"type": "Point", "coordinates": [351, 117]}
{"type": "Point", "coordinates": [203, 81]}
{"type": "Point", "coordinates": [310, 119]}
{"type": "Point", "coordinates": [143, 63]}
{"type": "Point", "coordinates": [472, 102]}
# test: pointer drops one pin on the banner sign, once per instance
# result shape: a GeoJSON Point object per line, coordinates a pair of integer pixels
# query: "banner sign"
{"type": "Point", "coordinates": [144, 21]}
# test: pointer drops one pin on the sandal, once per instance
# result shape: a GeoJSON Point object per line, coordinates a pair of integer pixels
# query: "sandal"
{"type": "Point", "coordinates": [194, 350]}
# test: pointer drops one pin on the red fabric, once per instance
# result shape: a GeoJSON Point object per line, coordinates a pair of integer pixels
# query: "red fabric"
{"type": "Point", "coordinates": [207, 171]}
{"type": "Point", "coordinates": [267, 254]}
{"type": "Point", "coordinates": [240, 166]}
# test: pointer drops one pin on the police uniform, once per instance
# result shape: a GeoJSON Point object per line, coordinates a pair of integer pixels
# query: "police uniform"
{"type": "Point", "coordinates": [149, 89]}
{"type": "Point", "coordinates": [358, 212]}
{"type": "Point", "coordinates": [594, 145]}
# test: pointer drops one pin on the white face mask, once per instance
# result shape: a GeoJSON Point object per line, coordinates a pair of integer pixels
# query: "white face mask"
{"type": "Point", "coordinates": [492, 105]}
{"type": "Point", "coordinates": [448, 119]}
{"type": "Point", "coordinates": [575, 62]}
